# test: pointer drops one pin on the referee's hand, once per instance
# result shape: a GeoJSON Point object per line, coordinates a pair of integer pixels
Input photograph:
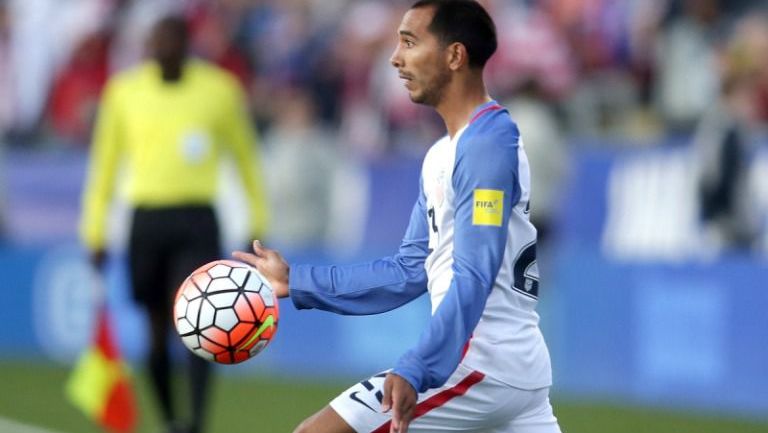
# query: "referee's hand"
{"type": "Point", "coordinates": [399, 396]}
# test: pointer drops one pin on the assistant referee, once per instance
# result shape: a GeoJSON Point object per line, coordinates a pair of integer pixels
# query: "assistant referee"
{"type": "Point", "coordinates": [167, 123]}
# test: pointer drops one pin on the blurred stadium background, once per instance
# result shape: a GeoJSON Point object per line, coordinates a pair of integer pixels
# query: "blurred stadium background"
{"type": "Point", "coordinates": [645, 124]}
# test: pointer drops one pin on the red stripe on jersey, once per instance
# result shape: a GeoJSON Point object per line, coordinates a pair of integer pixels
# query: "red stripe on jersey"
{"type": "Point", "coordinates": [440, 398]}
{"type": "Point", "coordinates": [493, 107]}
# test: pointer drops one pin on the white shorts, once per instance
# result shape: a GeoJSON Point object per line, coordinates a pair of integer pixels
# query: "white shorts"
{"type": "Point", "coordinates": [468, 402]}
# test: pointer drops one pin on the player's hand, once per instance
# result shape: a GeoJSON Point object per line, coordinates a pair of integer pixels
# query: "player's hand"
{"type": "Point", "coordinates": [271, 265]}
{"type": "Point", "coordinates": [97, 259]}
{"type": "Point", "coordinates": [399, 396]}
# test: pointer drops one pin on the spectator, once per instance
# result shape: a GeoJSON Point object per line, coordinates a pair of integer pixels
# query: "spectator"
{"type": "Point", "coordinates": [724, 144]}
{"type": "Point", "coordinates": [76, 89]}
{"type": "Point", "coordinates": [686, 64]}
{"type": "Point", "coordinates": [302, 155]}
{"type": "Point", "coordinates": [545, 146]}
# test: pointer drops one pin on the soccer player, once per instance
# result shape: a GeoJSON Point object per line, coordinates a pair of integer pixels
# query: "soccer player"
{"type": "Point", "coordinates": [481, 365]}
{"type": "Point", "coordinates": [169, 120]}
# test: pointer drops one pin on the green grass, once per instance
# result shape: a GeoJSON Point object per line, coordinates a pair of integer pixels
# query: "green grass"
{"type": "Point", "coordinates": [33, 394]}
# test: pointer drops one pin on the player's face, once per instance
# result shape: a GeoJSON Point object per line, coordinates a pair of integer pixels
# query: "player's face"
{"type": "Point", "coordinates": [420, 58]}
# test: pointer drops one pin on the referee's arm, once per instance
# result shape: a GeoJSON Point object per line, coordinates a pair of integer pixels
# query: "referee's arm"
{"type": "Point", "coordinates": [106, 149]}
{"type": "Point", "coordinates": [239, 135]}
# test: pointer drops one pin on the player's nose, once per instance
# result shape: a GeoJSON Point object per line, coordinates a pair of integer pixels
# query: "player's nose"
{"type": "Point", "coordinates": [395, 59]}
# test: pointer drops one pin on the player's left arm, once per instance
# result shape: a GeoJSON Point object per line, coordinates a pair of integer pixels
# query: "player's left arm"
{"type": "Point", "coordinates": [364, 288]}
{"type": "Point", "coordinates": [373, 287]}
{"type": "Point", "coordinates": [241, 138]}
{"type": "Point", "coordinates": [486, 186]}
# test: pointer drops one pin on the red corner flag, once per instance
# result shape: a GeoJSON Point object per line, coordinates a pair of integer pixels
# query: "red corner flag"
{"type": "Point", "coordinates": [100, 384]}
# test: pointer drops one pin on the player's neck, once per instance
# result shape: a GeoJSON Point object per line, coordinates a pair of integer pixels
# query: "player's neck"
{"type": "Point", "coordinates": [459, 103]}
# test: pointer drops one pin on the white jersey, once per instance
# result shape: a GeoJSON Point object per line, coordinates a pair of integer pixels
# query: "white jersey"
{"type": "Point", "coordinates": [470, 244]}
{"type": "Point", "coordinates": [506, 343]}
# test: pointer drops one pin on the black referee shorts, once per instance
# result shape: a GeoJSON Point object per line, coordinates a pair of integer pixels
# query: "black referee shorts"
{"type": "Point", "coordinates": [165, 246]}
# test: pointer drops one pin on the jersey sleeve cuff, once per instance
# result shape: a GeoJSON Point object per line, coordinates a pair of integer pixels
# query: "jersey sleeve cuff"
{"type": "Point", "coordinates": [412, 370]}
{"type": "Point", "coordinates": [299, 277]}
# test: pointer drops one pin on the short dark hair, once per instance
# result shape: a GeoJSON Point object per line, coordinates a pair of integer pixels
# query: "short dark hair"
{"type": "Point", "coordinates": [466, 22]}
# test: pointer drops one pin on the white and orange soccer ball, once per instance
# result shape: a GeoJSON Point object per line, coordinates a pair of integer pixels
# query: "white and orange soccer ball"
{"type": "Point", "coordinates": [226, 312]}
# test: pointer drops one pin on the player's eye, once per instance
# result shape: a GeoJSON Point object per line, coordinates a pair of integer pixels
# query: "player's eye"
{"type": "Point", "coordinates": [408, 43]}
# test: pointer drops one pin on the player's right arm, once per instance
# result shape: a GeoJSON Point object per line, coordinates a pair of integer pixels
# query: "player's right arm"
{"type": "Point", "coordinates": [102, 169]}
{"type": "Point", "coordinates": [367, 288]}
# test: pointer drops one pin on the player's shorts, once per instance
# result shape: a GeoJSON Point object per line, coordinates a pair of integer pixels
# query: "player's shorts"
{"type": "Point", "coordinates": [468, 402]}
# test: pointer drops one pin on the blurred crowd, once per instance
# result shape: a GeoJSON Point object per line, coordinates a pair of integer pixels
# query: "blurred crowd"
{"type": "Point", "coordinates": [622, 71]}
{"type": "Point", "coordinates": [628, 68]}
{"type": "Point", "coordinates": [602, 67]}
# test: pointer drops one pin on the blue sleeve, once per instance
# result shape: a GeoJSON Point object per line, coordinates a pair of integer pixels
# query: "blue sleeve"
{"type": "Point", "coordinates": [368, 288]}
{"type": "Point", "coordinates": [477, 255]}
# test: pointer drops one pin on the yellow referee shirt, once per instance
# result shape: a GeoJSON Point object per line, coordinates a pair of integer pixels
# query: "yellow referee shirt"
{"type": "Point", "coordinates": [170, 136]}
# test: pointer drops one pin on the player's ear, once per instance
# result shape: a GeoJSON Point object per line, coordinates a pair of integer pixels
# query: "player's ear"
{"type": "Point", "coordinates": [457, 56]}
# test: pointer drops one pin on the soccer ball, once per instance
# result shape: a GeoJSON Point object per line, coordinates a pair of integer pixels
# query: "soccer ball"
{"type": "Point", "coordinates": [226, 312]}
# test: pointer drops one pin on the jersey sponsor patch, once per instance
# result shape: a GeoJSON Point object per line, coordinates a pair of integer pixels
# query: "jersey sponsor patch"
{"type": "Point", "coordinates": [487, 207]}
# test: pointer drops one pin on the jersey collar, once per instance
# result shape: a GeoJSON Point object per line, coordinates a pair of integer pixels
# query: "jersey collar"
{"type": "Point", "coordinates": [483, 109]}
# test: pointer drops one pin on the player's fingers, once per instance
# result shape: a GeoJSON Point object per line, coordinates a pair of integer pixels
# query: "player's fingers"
{"type": "Point", "coordinates": [248, 258]}
{"type": "Point", "coordinates": [394, 427]}
{"type": "Point", "coordinates": [403, 408]}
{"type": "Point", "coordinates": [386, 400]}
{"type": "Point", "coordinates": [406, 416]}
{"type": "Point", "coordinates": [397, 410]}
{"type": "Point", "coordinates": [259, 249]}
{"type": "Point", "coordinates": [403, 428]}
